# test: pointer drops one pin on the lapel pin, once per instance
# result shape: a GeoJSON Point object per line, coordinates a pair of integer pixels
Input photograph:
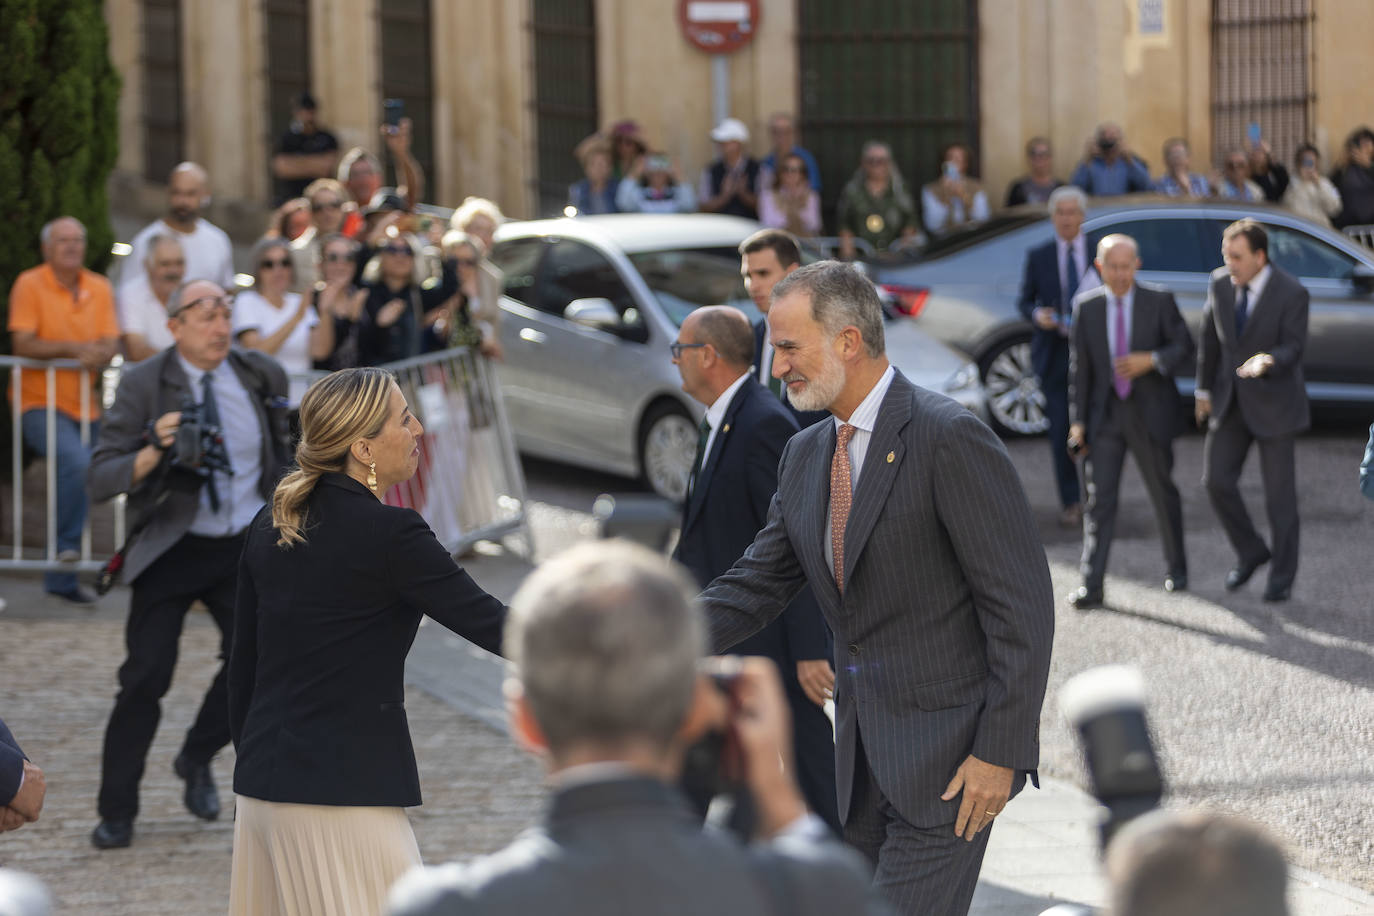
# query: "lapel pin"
{"type": "Point", "coordinates": [726, 428]}
{"type": "Point", "coordinates": [891, 457]}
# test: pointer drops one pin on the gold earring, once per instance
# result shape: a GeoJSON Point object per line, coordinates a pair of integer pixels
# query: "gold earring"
{"type": "Point", "coordinates": [372, 477]}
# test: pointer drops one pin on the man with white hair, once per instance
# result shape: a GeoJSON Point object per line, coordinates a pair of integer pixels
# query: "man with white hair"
{"type": "Point", "coordinates": [604, 644]}
{"type": "Point", "coordinates": [206, 248]}
{"type": "Point", "coordinates": [1128, 342]}
{"type": "Point", "coordinates": [143, 300]}
{"type": "Point", "coordinates": [1055, 272]}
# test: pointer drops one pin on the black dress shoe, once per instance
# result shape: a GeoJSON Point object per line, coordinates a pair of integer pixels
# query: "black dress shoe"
{"type": "Point", "coordinates": [113, 833]}
{"type": "Point", "coordinates": [1176, 582]}
{"type": "Point", "coordinates": [202, 799]}
{"type": "Point", "coordinates": [1242, 573]}
{"type": "Point", "coordinates": [1275, 593]}
{"type": "Point", "coordinates": [1083, 599]}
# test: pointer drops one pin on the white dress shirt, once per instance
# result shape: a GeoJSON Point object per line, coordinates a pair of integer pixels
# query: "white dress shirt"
{"type": "Point", "coordinates": [715, 414]}
{"type": "Point", "coordinates": [863, 419]}
{"type": "Point", "coordinates": [239, 499]}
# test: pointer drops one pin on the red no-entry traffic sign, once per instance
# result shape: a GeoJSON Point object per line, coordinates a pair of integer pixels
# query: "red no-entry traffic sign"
{"type": "Point", "coordinates": [718, 26]}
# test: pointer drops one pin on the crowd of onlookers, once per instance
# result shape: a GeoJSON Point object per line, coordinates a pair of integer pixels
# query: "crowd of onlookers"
{"type": "Point", "coordinates": [877, 209]}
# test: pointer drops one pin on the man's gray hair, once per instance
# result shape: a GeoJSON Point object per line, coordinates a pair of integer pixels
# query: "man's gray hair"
{"type": "Point", "coordinates": [1168, 863]}
{"type": "Point", "coordinates": [840, 297]}
{"type": "Point", "coordinates": [1109, 242]}
{"type": "Point", "coordinates": [352, 156]}
{"type": "Point", "coordinates": [45, 234]}
{"type": "Point", "coordinates": [604, 640]}
{"type": "Point", "coordinates": [1068, 192]}
{"type": "Point", "coordinates": [155, 241]}
{"type": "Point", "coordinates": [727, 329]}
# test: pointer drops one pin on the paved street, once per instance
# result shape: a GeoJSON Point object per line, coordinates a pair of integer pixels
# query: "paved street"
{"type": "Point", "coordinates": [1257, 709]}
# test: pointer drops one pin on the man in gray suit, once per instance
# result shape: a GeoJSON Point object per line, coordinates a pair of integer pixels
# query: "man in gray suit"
{"type": "Point", "coordinates": [1251, 390]}
{"type": "Point", "coordinates": [604, 647]}
{"type": "Point", "coordinates": [906, 517]}
{"type": "Point", "coordinates": [1128, 341]}
{"type": "Point", "coordinates": [189, 524]}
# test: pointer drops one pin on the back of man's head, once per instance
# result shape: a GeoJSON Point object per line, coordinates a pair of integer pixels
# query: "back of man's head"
{"type": "Point", "coordinates": [604, 641]}
{"type": "Point", "coordinates": [1196, 864]}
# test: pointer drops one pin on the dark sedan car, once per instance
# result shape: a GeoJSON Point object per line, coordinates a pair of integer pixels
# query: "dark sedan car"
{"type": "Point", "coordinates": [963, 290]}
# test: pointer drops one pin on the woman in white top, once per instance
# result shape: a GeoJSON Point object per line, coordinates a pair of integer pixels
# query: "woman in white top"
{"type": "Point", "coordinates": [1310, 193]}
{"type": "Point", "coordinates": [271, 318]}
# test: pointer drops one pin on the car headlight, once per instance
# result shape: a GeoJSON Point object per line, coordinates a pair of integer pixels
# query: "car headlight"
{"type": "Point", "coordinates": [966, 376]}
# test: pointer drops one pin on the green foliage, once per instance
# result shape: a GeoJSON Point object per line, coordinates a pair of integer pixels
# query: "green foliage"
{"type": "Point", "coordinates": [59, 108]}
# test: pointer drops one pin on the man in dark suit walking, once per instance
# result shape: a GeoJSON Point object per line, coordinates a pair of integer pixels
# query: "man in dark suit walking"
{"type": "Point", "coordinates": [189, 524]}
{"type": "Point", "coordinates": [907, 518]}
{"type": "Point", "coordinates": [727, 503]}
{"type": "Point", "coordinates": [765, 258]}
{"type": "Point", "coordinates": [1055, 272]}
{"type": "Point", "coordinates": [1251, 390]}
{"type": "Point", "coordinates": [604, 645]}
{"type": "Point", "coordinates": [1128, 341]}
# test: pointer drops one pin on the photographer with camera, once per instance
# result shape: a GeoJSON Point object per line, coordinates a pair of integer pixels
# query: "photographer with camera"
{"type": "Point", "coordinates": [1109, 167]}
{"type": "Point", "coordinates": [197, 439]}
{"type": "Point", "coordinates": [604, 644]}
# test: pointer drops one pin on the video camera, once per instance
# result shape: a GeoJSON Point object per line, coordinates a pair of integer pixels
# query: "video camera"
{"type": "Point", "coordinates": [198, 447]}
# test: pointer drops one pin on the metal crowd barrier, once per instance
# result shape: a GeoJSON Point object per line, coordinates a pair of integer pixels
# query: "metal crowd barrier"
{"type": "Point", "coordinates": [1362, 234]}
{"type": "Point", "coordinates": [469, 486]}
{"type": "Point", "coordinates": [16, 556]}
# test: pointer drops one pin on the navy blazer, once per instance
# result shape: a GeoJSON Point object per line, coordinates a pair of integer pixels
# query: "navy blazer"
{"type": "Point", "coordinates": [804, 418]}
{"type": "Point", "coordinates": [729, 505]}
{"type": "Point", "coordinates": [321, 633]}
{"type": "Point", "coordinates": [1040, 288]}
{"type": "Point", "coordinates": [11, 765]}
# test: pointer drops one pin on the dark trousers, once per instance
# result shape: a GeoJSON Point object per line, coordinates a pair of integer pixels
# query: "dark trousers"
{"type": "Point", "coordinates": [1223, 457]}
{"type": "Point", "coordinates": [1054, 385]}
{"type": "Point", "coordinates": [1123, 429]}
{"type": "Point", "coordinates": [195, 568]}
{"type": "Point", "coordinates": [917, 870]}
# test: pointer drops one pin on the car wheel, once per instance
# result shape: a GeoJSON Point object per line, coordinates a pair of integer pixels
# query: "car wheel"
{"type": "Point", "coordinates": [667, 447]}
{"type": "Point", "coordinates": [1016, 405]}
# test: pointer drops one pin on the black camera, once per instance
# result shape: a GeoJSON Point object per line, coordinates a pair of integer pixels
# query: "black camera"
{"type": "Point", "coordinates": [714, 772]}
{"type": "Point", "coordinates": [199, 446]}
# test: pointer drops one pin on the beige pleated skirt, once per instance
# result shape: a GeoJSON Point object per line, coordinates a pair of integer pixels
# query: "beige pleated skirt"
{"type": "Point", "coordinates": [317, 860]}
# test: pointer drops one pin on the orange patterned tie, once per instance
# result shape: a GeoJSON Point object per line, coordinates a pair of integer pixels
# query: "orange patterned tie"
{"type": "Point", "coordinates": [840, 498]}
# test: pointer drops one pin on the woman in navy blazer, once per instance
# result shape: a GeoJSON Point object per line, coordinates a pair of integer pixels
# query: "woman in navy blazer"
{"type": "Point", "coordinates": [332, 586]}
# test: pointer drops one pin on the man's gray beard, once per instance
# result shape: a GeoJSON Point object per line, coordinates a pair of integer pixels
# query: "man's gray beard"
{"type": "Point", "coordinates": [821, 391]}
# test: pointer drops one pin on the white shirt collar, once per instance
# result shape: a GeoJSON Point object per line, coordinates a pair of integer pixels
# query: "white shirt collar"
{"type": "Point", "coordinates": [193, 373]}
{"type": "Point", "coordinates": [865, 416]}
{"type": "Point", "coordinates": [715, 414]}
{"type": "Point", "coordinates": [1256, 284]}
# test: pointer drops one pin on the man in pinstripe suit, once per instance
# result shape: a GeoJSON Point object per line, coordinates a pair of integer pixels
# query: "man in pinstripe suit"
{"type": "Point", "coordinates": [917, 539]}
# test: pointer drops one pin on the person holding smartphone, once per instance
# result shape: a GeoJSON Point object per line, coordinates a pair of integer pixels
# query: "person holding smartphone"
{"type": "Point", "coordinates": [1311, 194]}
{"type": "Point", "coordinates": [654, 185]}
{"type": "Point", "coordinates": [954, 200]}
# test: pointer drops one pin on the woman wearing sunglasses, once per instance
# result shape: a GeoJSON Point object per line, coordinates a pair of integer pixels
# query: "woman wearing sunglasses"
{"type": "Point", "coordinates": [401, 308]}
{"type": "Point", "coordinates": [282, 324]}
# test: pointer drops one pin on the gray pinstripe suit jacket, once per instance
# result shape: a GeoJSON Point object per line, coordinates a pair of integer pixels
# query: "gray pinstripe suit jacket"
{"type": "Point", "coordinates": [942, 638]}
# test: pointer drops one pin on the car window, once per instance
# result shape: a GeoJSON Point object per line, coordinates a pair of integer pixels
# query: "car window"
{"type": "Point", "coordinates": [576, 270]}
{"type": "Point", "coordinates": [1172, 245]}
{"type": "Point", "coordinates": [1304, 256]}
{"type": "Point", "coordinates": [683, 279]}
{"type": "Point", "coordinates": [518, 260]}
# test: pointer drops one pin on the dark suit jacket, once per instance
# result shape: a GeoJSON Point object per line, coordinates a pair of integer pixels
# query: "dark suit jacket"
{"type": "Point", "coordinates": [11, 765]}
{"type": "Point", "coordinates": [321, 632]}
{"type": "Point", "coordinates": [630, 846]}
{"type": "Point", "coordinates": [1156, 326]}
{"type": "Point", "coordinates": [1276, 403]}
{"type": "Point", "coordinates": [730, 504]}
{"type": "Point", "coordinates": [945, 627]}
{"type": "Point", "coordinates": [804, 418]}
{"type": "Point", "coordinates": [1040, 289]}
{"type": "Point", "coordinates": [147, 391]}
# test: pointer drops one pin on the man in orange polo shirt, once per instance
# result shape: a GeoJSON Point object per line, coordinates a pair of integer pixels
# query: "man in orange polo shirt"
{"type": "Point", "coordinates": [60, 310]}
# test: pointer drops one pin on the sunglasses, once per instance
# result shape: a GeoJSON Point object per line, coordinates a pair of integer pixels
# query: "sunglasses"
{"type": "Point", "coordinates": [327, 205]}
{"type": "Point", "coordinates": [267, 265]}
{"type": "Point", "coordinates": [397, 249]}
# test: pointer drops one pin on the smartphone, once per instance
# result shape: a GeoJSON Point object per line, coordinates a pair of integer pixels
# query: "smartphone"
{"type": "Point", "coordinates": [1253, 132]}
{"type": "Point", "coordinates": [951, 171]}
{"type": "Point", "coordinates": [394, 110]}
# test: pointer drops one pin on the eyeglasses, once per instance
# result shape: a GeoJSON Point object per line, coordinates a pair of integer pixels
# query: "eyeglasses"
{"type": "Point", "coordinates": [676, 348]}
{"type": "Point", "coordinates": [397, 249]}
{"type": "Point", "coordinates": [207, 308]}
{"type": "Point", "coordinates": [268, 265]}
{"type": "Point", "coordinates": [876, 160]}
{"type": "Point", "coordinates": [1040, 154]}
{"type": "Point", "coordinates": [335, 257]}
{"type": "Point", "coordinates": [326, 205]}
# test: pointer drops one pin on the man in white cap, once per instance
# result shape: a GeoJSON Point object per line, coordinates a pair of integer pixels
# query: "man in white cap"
{"type": "Point", "coordinates": [727, 184]}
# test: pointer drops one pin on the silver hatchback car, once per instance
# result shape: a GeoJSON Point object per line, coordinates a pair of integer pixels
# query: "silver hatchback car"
{"type": "Point", "coordinates": [589, 307]}
{"type": "Point", "coordinates": [968, 285]}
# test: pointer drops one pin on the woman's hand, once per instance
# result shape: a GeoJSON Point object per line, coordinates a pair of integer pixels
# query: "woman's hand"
{"type": "Point", "coordinates": [390, 313]}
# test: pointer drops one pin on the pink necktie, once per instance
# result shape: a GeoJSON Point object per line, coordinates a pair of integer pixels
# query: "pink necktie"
{"type": "Point", "coordinates": [840, 497]}
{"type": "Point", "coordinates": [1123, 346]}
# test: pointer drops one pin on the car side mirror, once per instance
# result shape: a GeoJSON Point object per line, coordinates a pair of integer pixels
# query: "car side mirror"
{"type": "Point", "coordinates": [593, 313]}
{"type": "Point", "coordinates": [1362, 278]}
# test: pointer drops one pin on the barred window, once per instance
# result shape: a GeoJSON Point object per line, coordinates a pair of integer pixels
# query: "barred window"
{"type": "Point", "coordinates": [1261, 63]}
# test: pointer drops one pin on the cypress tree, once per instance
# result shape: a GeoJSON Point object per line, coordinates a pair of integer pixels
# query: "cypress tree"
{"type": "Point", "coordinates": [59, 133]}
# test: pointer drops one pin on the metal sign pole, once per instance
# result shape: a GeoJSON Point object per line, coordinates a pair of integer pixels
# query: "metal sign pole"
{"type": "Point", "coordinates": [720, 88]}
